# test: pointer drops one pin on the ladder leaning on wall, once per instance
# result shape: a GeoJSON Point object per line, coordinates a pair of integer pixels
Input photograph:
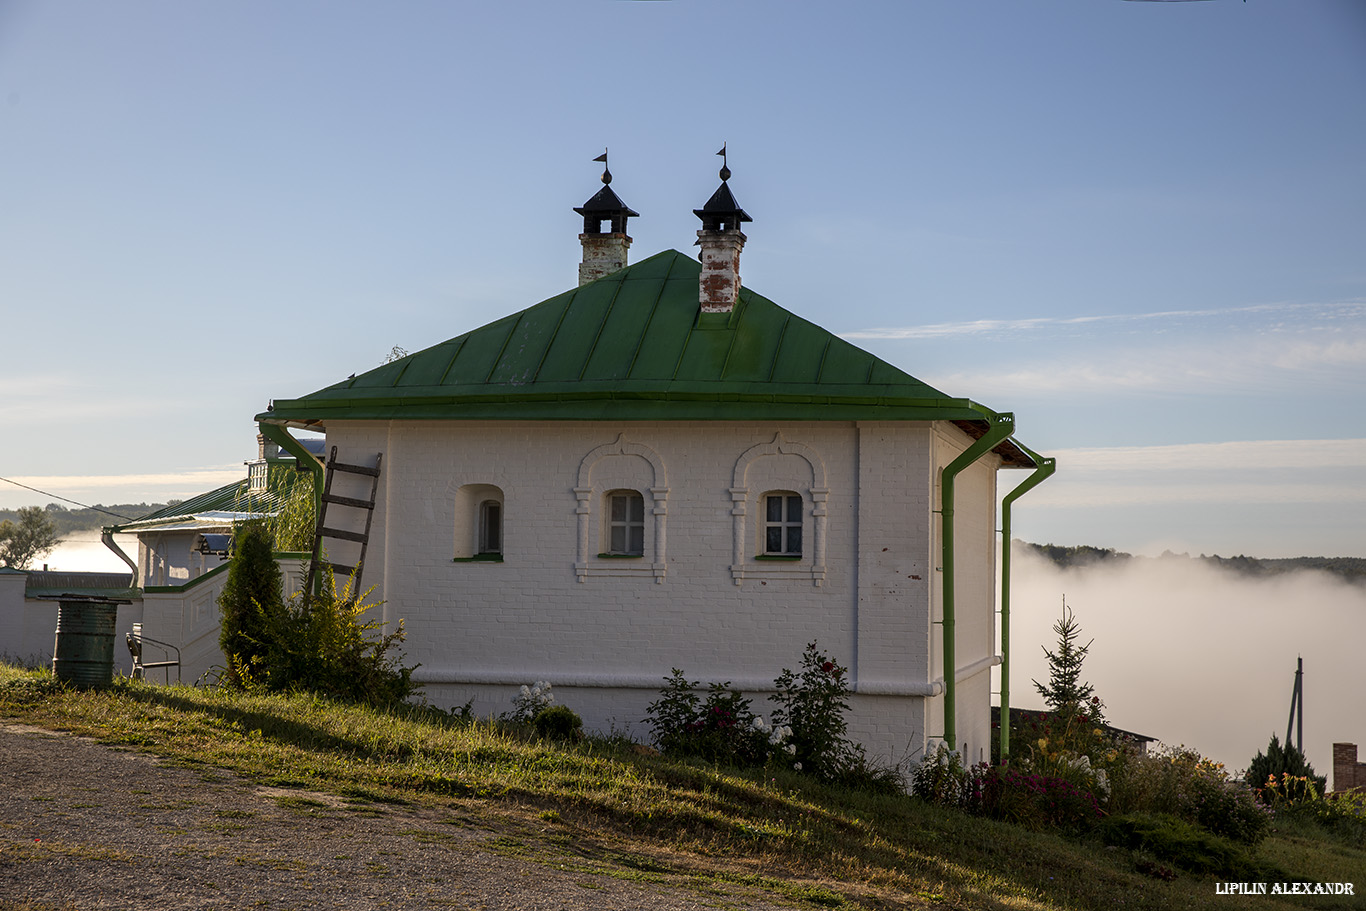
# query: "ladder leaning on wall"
{"type": "Point", "coordinates": [322, 530]}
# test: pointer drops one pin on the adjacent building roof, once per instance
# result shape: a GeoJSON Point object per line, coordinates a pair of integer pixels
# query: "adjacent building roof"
{"type": "Point", "coordinates": [634, 346]}
{"type": "Point", "coordinates": [221, 508]}
{"type": "Point", "coordinates": [50, 586]}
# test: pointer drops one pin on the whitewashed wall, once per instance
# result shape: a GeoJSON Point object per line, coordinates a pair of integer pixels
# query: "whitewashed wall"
{"type": "Point", "coordinates": [606, 631]}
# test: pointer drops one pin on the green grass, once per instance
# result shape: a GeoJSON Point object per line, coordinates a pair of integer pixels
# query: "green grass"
{"type": "Point", "coordinates": [602, 807]}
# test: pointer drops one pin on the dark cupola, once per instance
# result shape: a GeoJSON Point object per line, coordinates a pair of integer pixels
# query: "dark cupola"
{"type": "Point", "coordinates": [604, 252]}
{"type": "Point", "coordinates": [721, 241]}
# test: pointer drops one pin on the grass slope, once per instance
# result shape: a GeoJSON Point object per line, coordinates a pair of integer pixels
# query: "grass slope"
{"type": "Point", "coordinates": [612, 806]}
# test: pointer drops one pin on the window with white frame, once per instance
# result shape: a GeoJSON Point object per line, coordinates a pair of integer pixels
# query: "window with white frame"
{"type": "Point", "coordinates": [782, 524]}
{"type": "Point", "coordinates": [625, 524]}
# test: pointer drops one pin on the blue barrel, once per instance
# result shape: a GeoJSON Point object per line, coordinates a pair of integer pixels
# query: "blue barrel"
{"type": "Point", "coordinates": [84, 651]}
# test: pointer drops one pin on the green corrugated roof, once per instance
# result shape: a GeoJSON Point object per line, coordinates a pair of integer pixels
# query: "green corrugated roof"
{"type": "Point", "coordinates": [223, 506]}
{"type": "Point", "coordinates": [633, 346]}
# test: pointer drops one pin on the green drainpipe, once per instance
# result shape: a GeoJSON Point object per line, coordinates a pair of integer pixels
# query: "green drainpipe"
{"type": "Point", "coordinates": [1043, 468]}
{"type": "Point", "coordinates": [276, 433]}
{"type": "Point", "coordinates": [1001, 427]}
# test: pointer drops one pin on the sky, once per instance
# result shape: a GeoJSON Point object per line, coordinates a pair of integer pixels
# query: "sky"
{"type": "Point", "coordinates": [1138, 226]}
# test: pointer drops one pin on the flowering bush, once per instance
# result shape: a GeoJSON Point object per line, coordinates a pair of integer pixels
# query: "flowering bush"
{"type": "Point", "coordinates": [529, 702]}
{"type": "Point", "coordinates": [1036, 801]}
{"type": "Point", "coordinates": [1180, 782]}
{"type": "Point", "coordinates": [723, 728]}
{"type": "Point", "coordinates": [807, 733]}
{"type": "Point", "coordinates": [1019, 795]}
{"type": "Point", "coordinates": [942, 778]}
{"type": "Point", "coordinates": [812, 704]}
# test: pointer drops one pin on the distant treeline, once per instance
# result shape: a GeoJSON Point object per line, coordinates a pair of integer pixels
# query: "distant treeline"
{"type": "Point", "coordinates": [1352, 569]}
{"type": "Point", "coordinates": [67, 521]}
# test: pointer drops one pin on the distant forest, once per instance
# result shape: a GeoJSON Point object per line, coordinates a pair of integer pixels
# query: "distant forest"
{"type": "Point", "coordinates": [69, 520]}
{"type": "Point", "coordinates": [1351, 569]}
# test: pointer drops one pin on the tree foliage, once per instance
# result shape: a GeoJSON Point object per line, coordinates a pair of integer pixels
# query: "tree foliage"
{"type": "Point", "coordinates": [1068, 696]}
{"type": "Point", "coordinates": [251, 600]}
{"type": "Point", "coordinates": [31, 537]}
{"type": "Point", "coordinates": [1279, 761]}
{"type": "Point", "coordinates": [322, 643]}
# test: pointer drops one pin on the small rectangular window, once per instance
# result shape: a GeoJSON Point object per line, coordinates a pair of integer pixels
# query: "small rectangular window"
{"type": "Point", "coordinates": [490, 527]}
{"type": "Point", "coordinates": [626, 524]}
{"type": "Point", "coordinates": [783, 525]}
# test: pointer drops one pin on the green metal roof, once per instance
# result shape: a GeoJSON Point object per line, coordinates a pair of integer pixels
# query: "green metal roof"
{"type": "Point", "coordinates": [227, 505]}
{"type": "Point", "coordinates": [634, 346]}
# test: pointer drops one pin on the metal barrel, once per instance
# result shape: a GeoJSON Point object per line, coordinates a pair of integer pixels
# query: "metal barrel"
{"type": "Point", "coordinates": [84, 650]}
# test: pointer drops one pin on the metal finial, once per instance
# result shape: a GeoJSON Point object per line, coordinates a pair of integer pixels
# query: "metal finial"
{"type": "Point", "coordinates": [725, 171]}
{"type": "Point", "coordinates": [606, 174]}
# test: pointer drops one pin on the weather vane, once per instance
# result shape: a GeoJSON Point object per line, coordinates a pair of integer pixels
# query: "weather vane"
{"type": "Point", "coordinates": [606, 174]}
{"type": "Point", "coordinates": [725, 170]}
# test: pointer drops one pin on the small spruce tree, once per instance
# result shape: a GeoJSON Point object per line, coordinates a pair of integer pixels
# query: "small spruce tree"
{"type": "Point", "coordinates": [1066, 694]}
{"type": "Point", "coordinates": [251, 601]}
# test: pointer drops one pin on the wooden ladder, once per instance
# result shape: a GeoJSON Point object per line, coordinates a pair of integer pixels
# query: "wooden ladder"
{"type": "Point", "coordinates": [322, 530]}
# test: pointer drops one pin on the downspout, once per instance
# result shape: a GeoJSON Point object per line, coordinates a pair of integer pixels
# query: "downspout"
{"type": "Point", "coordinates": [276, 433]}
{"type": "Point", "coordinates": [1001, 427]}
{"type": "Point", "coordinates": [1042, 470]}
{"type": "Point", "coordinates": [107, 536]}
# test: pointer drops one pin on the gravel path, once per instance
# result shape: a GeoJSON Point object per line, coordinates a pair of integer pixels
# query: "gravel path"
{"type": "Point", "coordinates": [86, 826]}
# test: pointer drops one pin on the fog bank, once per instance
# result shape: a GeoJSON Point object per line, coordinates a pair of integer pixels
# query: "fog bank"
{"type": "Point", "coordinates": [1194, 655]}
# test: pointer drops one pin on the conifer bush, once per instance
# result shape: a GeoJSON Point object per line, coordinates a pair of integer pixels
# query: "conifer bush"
{"type": "Point", "coordinates": [1279, 761]}
{"type": "Point", "coordinates": [251, 602]}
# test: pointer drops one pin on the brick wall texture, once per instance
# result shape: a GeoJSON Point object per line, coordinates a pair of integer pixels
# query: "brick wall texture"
{"type": "Point", "coordinates": [1347, 772]}
{"type": "Point", "coordinates": [606, 631]}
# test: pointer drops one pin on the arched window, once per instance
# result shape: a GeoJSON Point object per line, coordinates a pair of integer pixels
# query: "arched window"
{"type": "Point", "coordinates": [782, 526]}
{"type": "Point", "coordinates": [479, 523]}
{"type": "Point", "coordinates": [625, 530]}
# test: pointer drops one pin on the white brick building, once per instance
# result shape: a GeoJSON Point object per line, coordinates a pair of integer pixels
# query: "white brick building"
{"type": "Point", "coordinates": [661, 469]}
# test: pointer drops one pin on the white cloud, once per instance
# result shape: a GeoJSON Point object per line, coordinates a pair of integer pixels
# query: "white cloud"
{"type": "Point", "coordinates": [1262, 454]}
{"type": "Point", "coordinates": [1224, 365]}
{"type": "Point", "coordinates": [198, 479]}
{"type": "Point", "coordinates": [1301, 312]}
{"type": "Point", "coordinates": [1238, 472]}
{"type": "Point", "coordinates": [1089, 494]}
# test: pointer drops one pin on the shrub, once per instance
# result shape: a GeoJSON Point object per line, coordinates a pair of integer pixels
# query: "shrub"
{"type": "Point", "coordinates": [721, 729]}
{"type": "Point", "coordinates": [1227, 807]}
{"type": "Point", "coordinates": [1180, 782]}
{"type": "Point", "coordinates": [1037, 801]}
{"type": "Point", "coordinates": [322, 644]}
{"type": "Point", "coordinates": [942, 778]}
{"type": "Point", "coordinates": [251, 603]}
{"type": "Point", "coordinates": [558, 722]}
{"type": "Point", "coordinates": [1279, 761]}
{"type": "Point", "coordinates": [1180, 843]}
{"type": "Point", "coordinates": [812, 703]}
{"type": "Point", "coordinates": [529, 702]}
{"type": "Point", "coordinates": [1341, 816]}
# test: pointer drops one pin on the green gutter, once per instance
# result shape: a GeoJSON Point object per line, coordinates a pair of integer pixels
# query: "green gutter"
{"type": "Point", "coordinates": [1002, 426]}
{"type": "Point", "coordinates": [276, 433]}
{"type": "Point", "coordinates": [1045, 468]}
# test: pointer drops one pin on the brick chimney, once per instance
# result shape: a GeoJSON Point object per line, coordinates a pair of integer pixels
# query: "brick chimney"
{"type": "Point", "coordinates": [1347, 772]}
{"type": "Point", "coordinates": [721, 241]}
{"type": "Point", "coordinates": [604, 252]}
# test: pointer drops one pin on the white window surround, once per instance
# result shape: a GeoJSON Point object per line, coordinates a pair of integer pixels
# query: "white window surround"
{"type": "Point", "coordinates": [812, 563]}
{"type": "Point", "coordinates": [589, 492]}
